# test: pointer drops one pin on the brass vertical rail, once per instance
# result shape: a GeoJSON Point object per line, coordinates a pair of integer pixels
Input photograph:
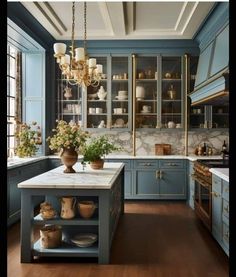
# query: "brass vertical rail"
{"type": "Point", "coordinates": [186, 88]}
{"type": "Point", "coordinates": [134, 103]}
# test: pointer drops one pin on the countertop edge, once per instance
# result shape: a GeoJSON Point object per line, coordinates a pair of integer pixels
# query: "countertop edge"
{"type": "Point", "coordinates": [223, 173]}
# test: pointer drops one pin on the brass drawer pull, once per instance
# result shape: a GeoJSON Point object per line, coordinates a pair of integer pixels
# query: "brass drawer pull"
{"type": "Point", "coordinates": [215, 194]}
{"type": "Point", "coordinates": [157, 174]}
{"type": "Point", "coordinates": [161, 174]}
{"type": "Point", "coordinates": [172, 164]}
{"type": "Point", "coordinates": [226, 209]}
{"type": "Point", "coordinates": [147, 164]}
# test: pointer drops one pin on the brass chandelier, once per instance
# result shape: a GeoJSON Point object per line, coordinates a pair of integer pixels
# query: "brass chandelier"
{"type": "Point", "coordinates": [77, 68]}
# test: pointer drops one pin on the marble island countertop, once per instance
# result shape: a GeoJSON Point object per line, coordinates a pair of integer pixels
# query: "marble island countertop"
{"type": "Point", "coordinates": [223, 173]}
{"type": "Point", "coordinates": [82, 179]}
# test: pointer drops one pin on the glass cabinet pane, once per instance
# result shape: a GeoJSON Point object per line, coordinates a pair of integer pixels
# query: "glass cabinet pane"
{"type": "Point", "coordinates": [220, 116]}
{"type": "Point", "coordinates": [120, 94]}
{"type": "Point", "coordinates": [171, 93]}
{"type": "Point", "coordinates": [69, 102]}
{"type": "Point", "coordinates": [146, 113]}
{"type": "Point", "coordinates": [97, 100]}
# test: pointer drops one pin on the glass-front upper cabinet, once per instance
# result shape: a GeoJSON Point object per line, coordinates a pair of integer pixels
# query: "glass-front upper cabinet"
{"type": "Point", "coordinates": [146, 79]}
{"type": "Point", "coordinates": [97, 102]}
{"type": "Point", "coordinates": [171, 92]}
{"type": "Point", "coordinates": [121, 92]}
{"type": "Point", "coordinates": [69, 102]}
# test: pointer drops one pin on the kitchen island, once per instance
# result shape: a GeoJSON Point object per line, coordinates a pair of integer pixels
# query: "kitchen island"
{"type": "Point", "coordinates": [105, 187]}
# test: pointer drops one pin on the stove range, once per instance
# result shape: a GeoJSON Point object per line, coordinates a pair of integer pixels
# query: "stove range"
{"type": "Point", "coordinates": [220, 163]}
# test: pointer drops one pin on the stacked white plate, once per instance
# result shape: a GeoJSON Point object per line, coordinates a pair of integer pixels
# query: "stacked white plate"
{"type": "Point", "coordinates": [84, 240]}
{"type": "Point", "coordinates": [123, 97]}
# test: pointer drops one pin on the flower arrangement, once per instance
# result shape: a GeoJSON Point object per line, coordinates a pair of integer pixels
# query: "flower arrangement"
{"type": "Point", "coordinates": [97, 148]}
{"type": "Point", "coordinates": [67, 136]}
{"type": "Point", "coordinates": [29, 137]}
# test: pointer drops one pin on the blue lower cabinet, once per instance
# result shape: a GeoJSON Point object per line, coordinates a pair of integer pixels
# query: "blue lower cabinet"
{"type": "Point", "coordinates": [160, 179]}
{"type": "Point", "coordinates": [15, 176]}
{"type": "Point", "coordinates": [172, 184]}
{"type": "Point", "coordinates": [146, 184]}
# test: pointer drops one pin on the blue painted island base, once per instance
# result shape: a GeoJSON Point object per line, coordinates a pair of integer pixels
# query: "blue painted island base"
{"type": "Point", "coordinates": [110, 204]}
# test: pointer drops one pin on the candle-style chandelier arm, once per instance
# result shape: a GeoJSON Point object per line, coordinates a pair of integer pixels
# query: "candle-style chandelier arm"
{"type": "Point", "coordinates": [76, 67]}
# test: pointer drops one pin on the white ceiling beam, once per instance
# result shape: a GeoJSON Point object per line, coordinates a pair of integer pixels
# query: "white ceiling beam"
{"type": "Point", "coordinates": [116, 13]}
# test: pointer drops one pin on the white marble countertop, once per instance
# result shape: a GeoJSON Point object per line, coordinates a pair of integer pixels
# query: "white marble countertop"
{"type": "Point", "coordinates": [223, 173]}
{"type": "Point", "coordinates": [17, 162]}
{"type": "Point", "coordinates": [82, 179]}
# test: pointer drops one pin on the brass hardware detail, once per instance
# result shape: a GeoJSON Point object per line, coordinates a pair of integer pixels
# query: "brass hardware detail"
{"type": "Point", "coordinates": [161, 174]}
{"type": "Point", "coordinates": [157, 174]}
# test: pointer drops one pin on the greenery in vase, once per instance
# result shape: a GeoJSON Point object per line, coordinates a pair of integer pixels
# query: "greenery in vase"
{"type": "Point", "coordinates": [28, 138]}
{"type": "Point", "coordinates": [97, 148]}
{"type": "Point", "coordinates": [67, 136]}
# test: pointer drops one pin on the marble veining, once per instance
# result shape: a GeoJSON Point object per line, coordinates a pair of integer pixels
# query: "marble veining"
{"type": "Point", "coordinates": [223, 173]}
{"type": "Point", "coordinates": [86, 178]}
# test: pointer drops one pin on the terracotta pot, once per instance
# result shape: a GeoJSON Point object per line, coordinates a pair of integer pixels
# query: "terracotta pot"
{"type": "Point", "coordinates": [68, 207]}
{"type": "Point", "coordinates": [50, 236]}
{"type": "Point", "coordinates": [86, 208]}
{"type": "Point", "coordinates": [69, 157]}
{"type": "Point", "coordinates": [97, 164]}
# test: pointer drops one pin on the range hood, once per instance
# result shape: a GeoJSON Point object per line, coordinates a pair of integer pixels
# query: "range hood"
{"type": "Point", "coordinates": [215, 92]}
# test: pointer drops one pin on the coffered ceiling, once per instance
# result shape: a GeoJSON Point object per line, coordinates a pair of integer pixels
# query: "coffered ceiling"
{"type": "Point", "coordinates": [122, 20]}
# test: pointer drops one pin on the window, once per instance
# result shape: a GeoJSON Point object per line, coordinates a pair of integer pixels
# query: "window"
{"type": "Point", "coordinates": [13, 95]}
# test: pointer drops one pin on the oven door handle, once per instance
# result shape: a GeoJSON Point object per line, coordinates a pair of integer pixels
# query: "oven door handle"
{"type": "Point", "coordinates": [201, 182]}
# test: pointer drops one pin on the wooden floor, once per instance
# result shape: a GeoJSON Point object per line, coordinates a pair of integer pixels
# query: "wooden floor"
{"type": "Point", "coordinates": [153, 239]}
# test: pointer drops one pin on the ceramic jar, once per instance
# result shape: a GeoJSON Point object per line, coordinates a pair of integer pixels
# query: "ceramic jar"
{"type": "Point", "coordinates": [68, 207]}
{"type": "Point", "coordinates": [140, 92]}
{"type": "Point", "coordinates": [102, 93]}
{"type": "Point", "coordinates": [171, 124]}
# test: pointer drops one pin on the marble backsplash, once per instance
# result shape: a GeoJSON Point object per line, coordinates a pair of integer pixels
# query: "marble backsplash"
{"type": "Point", "coordinates": [146, 140]}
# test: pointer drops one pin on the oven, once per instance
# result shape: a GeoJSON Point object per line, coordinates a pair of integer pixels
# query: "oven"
{"type": "Point", "coordinates": [202, 200]}
{"type": "Point", "coordinates": [203, 188]}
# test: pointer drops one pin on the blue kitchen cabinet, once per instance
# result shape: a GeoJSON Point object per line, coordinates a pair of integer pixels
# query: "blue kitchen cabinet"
{"type": "Point", "coordinates": [14, 176]}
{"type": "Point", "coordinates": [52, 163]}
{"type": "Point", "coordinates": [204, 65]}
{"type": "Point", "coordinates": [220, 212]}
{"type": "Point", "coordinates": [160, 179]}
{"type": "Point", "coordinates": [220, 59]}
{"type": "Point", "coordinates": [172, 184]}
{"type": "Point", "coordinates": [191, 184]}
{"type": "Point", "coordinates": [128, 187]}
{"type": "Point", "coordinates": [216, 209]}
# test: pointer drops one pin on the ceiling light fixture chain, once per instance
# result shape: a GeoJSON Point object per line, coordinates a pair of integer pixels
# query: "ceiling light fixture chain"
{"type": "Point", "coordinates": [77, 68]}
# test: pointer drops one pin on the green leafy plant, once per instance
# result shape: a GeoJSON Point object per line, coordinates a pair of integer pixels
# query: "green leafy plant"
{"type": "Point", "coordinates": [97, 148]}
{"type": "Point", "coordinates": [67, 136]}
{"type": "Point", "coordinates": [28, 138]}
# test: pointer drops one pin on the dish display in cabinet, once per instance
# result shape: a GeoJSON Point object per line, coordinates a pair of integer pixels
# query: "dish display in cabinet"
{"type": "Point", "coordinates": [97, 100]}
{"type": "Point", "coordinates": [69, 102]}
{"type": "Point", "coordinates": [120, 92]}
{"type": "Point", "coordinates": [146, 75]}
{"type": "Point", "coordinates": [171, 96]}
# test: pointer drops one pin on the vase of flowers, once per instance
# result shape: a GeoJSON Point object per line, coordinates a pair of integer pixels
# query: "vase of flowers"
{"type": "Point", "coordinates": [95, 150]}
{"type": "Point", "coordinates": [68, 139]}
{"type": "Point", "coordinates": [28, 138]}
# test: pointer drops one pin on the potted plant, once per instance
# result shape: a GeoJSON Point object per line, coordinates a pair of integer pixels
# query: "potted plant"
{"type": "Point", "coordinates": [68, 139]}
{"type": "Point", "coordinates": [95, 150]}
{"type": "Point", "coordinates": [28, 138]}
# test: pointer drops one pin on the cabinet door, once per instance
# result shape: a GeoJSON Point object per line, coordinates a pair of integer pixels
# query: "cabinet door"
{"type": "Point", "coordinates": [128, 184]}
{"type": "Point", "coordinates": [69, 102]}
{"type": "Point", "coordinates": [220, 58]}
{"type": "Point", "coordinates": [121, 94]}
{"type": "Point", "coordinates": [146, 110]}
{"type": "Point", "coordinates": [203, 65]}
{"type": "Point", "coordinates": [172, 184]}
{"type": "Point", "coordinates": [96, 107]}
{"type": "Point", "coordinates": [146, 183]}
{"type": "Point", "coordinates": [171, 93]}
{"type": "Point", "coordinates": [216, 215]}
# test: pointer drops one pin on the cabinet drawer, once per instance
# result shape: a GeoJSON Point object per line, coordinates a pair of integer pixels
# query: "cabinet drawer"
{"type": "Point", "coordinates": [126, 162]}
{"type": "Point", "coordinates": [226, 235]}
{"type": "Point", "coordinates": [226, 208]}
{"type": "Point", "coordinates": [145, 164]}
{"type": "Point", "coordinates": [225, 190]}
{"type": "Point", "coordinates": [171, 164]}
{"type": "Point", "coordinates": [216, 183]}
